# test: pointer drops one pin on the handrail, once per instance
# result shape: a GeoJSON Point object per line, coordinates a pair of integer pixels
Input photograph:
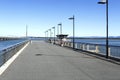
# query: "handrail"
{"type": "Point", "coordinates": [95, 44]}
{"type": "Point", "coordinates": [7, 53]}
{"type": "Point", "coordinates": [98, 49]}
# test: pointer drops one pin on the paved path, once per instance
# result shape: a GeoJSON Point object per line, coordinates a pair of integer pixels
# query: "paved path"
{"type": "Point", "coordinates": [43, 61]}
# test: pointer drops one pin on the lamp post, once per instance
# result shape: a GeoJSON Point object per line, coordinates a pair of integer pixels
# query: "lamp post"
{"type": "Point", "coordinates": [47, 34]}
{"type": "Point", "coordinates": [54, 34]}
{"type": "Point", "coordinates": [106, 2]}
{"type": "Point", "coordinates": [50, 35]}
{"type": "Point", "coordinates": [73, 18]}
{"type": "Point", "coordinates": [26, 31]}
{"type": "Point", "coordinates": [60, 27]}
{"type": "Point", "coordinates": [57, 29]}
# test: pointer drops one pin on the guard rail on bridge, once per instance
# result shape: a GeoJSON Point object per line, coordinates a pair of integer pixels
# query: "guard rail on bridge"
{"type": "Point", "coordinates": [7, 53]}
{"type": "Point", "coordinates": [98, 49]}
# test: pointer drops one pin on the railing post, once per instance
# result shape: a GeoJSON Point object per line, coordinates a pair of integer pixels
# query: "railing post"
{"type": "Point", "coordinates": [83, 46]}
{"type": "Point", "coordinates": [88, 47]}
{"type": "Point", "coordinates": [4, 56]}
{"type": "Point", "coordinates": [80, 47]}
{"type": "Point", "coordinates": [71, 45]}
{"type": "Point", "coordinates": [97, 49]}
{"type": "Point", "coordinates": [109, 54]}
{"type": "Point", "coordinates": [64, 43]}
{"type": "Point", "coordinates": [75, 45]}
{"type": "Point", "coordinates": [67, 44]}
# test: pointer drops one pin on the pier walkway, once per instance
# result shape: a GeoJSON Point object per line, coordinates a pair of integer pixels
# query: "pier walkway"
{"type": "Point", "coordinates": [44, 61]}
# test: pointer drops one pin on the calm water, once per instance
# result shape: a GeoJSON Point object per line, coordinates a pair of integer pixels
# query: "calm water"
{"type": "Point", "coordinates": [114, 42]}
{"type": "Point", "coordinates": [8, 43]}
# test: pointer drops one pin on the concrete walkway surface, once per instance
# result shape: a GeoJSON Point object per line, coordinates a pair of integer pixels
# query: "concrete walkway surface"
{"type": "Point", "coordinates": [44, 61]}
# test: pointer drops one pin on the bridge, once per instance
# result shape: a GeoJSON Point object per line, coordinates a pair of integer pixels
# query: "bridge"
{"type": "Point", "coordinates": [44, 61]}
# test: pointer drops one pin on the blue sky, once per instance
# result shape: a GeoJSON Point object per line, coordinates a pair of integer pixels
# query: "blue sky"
{"type": "Point", "coordinates": [41, 15]}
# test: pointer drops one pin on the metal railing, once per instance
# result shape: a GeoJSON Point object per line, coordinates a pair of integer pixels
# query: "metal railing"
{"type": "Point", "coordinates": [98, 49]}
{"type": "Point", "coordinates": [7, 53]}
